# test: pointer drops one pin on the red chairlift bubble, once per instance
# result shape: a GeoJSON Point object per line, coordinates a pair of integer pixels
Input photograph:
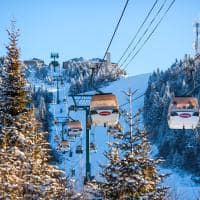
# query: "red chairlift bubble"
{"type": "Point", "coordinates": [104, 113]}
{"type": "Point", "coordinates": [185, 115]}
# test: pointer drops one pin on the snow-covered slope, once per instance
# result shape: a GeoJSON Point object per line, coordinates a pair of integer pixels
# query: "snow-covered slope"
{"type": "Point", "coordinates": [180, 183]}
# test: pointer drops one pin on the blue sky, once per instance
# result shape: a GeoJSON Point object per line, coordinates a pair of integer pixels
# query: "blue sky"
{"type": "Point", "coordinates": [76, 28]}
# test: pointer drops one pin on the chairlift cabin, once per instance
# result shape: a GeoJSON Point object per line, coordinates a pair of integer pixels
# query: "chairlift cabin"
{"type": "Point", "coordinates": [117, 128]}
{"type": "Point", "coordinates": [104, 109]}
{"type": "Point", "coordinates": [64, 146]}
{"type": "Point", "coordinates": [74, 128]}
{"type": "Point", "coordinates": [93, 147]}
{"type": "Point", "coordinates": [79, 149]}
{"type": "Point", "coordinates": [57, 138]}
{"type": "Point", "coordinates": [183, 113]}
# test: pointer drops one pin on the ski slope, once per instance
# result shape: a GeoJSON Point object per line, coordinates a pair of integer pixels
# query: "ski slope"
{"type": "Point", "coordinates": [182, 187]}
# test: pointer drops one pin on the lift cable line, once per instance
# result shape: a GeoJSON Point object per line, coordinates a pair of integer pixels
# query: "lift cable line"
{"type": "Point", "coordinates": [149, 36]}
{"type": "Point", "coordinates": [138, 31]}
{"type": "Point", "coordinates": [95, 70]}
{"type": "Point", "coordinates": [116, 28]}
{"type": "Point", "coordinates": [144, 33]}
{"type": "Point", "coordinates": [133, 100]}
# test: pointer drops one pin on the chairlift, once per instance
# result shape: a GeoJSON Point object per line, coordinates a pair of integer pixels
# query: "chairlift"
{"type": "Point", "coordinates": [79, 149]}
{"type": "Point", "coordinates": [74, 128]}
{"type": "Point", "coordinates": [183, 113]}
{"type": "Point", "coordinates": [114, 129]}
{"type": "Point", "coordinates": [93, 147]}
{"type": "Point", "coordinates": [104, 109]}
{"type": "Point", "coordinates": [57, 138]}
{"type": "Point", "coordinates": [64, 146]}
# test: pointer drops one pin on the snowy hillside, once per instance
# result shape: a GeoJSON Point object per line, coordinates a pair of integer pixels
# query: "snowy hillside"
{"type": "Point", "coordinates": [74, 164]}
{"type": "Point", "coordinates": [100, 133]}
{"type": "Point", "coordinates": [179, 148]}
{"type": "Point", "coordinates": [182, 187]}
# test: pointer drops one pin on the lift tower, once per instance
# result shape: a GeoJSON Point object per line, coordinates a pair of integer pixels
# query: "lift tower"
{"type": "Point", "coordinates": [58, 79]}
{"type": "Point", "coordinates": [81, 103]}
{"type": "Point", "coordinates": [54, 62]}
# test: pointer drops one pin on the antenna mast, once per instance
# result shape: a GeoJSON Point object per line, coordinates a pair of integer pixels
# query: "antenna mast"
{"type": "Point", "coordinates": [197, 40]}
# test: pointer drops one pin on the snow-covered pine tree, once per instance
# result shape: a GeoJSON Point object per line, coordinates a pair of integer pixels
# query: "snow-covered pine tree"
{"type": "Point", "coordinates": [130, 173]}
{"type": "Point", "coordinates": [24, 169]}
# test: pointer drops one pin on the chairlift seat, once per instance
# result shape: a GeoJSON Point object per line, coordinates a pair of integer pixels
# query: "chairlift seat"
{"type": "Point", "coordinates": [74, 128]}
{"type": "Point", "coordinates": [64, 145]}
{"type": "Point", "coordinates": [79, 149]}
{"type": "Point", "coordinates": [93, 147]}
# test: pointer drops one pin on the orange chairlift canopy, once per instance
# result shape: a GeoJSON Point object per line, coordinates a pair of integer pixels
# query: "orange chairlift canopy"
{"type": "Point", "coordinates": [75, 125]}
{"type": "Point", "coordinates": [184, 103]}
{"type": "Point", "coordinates": [99, 101]}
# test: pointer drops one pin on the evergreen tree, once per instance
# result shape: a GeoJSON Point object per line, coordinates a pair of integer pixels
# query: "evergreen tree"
{"type": "Point", "coordinates": [24, 153]}
{"type": "Point", "coordinates": [181, 79]}
{"type": "Point", "coordinates": [130, 174]}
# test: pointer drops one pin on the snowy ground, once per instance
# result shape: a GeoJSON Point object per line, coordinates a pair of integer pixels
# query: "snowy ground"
{"type": "Point", "coordinates": [180, 183]}
{"type": "Point", "coordinates": [182, 186]}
